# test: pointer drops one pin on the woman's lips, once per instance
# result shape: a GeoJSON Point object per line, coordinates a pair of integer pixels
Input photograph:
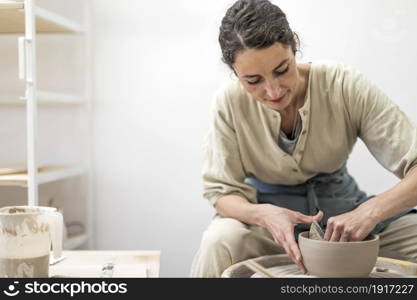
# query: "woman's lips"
{"type": "Point", "coordinates": [278, 99]}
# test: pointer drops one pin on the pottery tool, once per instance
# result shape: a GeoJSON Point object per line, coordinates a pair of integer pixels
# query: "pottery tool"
{"type": "Point", "coordinates": [257, 268]}
{"type": "Point", "coordinates": [53, 261]}
{"type": "Point", "coordinates": [107, 270]}
{"type": "Point", "coordinates": [316, 232]}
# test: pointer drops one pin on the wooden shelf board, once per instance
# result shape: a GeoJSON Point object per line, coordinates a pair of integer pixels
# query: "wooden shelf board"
{"type": "Point", "coordinates": [46, 174]}
{"type": "Point", "coordinates": [12, 20]}
{"type": "Point", "coordinates": [45, 98]}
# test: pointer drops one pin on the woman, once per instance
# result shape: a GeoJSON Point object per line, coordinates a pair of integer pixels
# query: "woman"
{"type": "Point", "coordinates": [276, 152]}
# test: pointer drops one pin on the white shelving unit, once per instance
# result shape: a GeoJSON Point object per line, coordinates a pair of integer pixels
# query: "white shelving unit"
{"type": "Point", "coordinates": [27, 19]}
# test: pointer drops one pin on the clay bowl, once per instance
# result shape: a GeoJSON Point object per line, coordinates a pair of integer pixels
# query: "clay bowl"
{"type": "Point", "coordinates": [339, 259]}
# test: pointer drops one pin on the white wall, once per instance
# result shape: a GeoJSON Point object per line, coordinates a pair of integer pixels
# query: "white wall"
{"type": "Point", "coordinates": [157, 65]}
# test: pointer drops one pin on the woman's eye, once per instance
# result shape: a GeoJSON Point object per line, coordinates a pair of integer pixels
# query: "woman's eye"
{"type": "Point", "coordinates": [282, 72]}
{"type": "Point", "coordinates": [254, 82]}
{"type": "Point", "coordinates": [278, 73]}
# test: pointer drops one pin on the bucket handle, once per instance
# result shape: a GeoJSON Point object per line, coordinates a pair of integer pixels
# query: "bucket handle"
{"type": "Point", "coordinates": [57, 226]}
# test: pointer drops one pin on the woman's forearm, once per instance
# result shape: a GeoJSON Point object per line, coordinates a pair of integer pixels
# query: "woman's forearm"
{"type": "Point", "coordinates": [399, 198]}
{"type": "Point", "coordinates": [237, 207]}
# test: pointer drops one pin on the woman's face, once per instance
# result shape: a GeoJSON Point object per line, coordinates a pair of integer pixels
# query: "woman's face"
{"type": "Point", "coordinates": [270, 75]}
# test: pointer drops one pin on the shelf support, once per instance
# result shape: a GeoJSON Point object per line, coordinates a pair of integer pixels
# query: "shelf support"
{"type": "Point", "coordinates": [31, 103]}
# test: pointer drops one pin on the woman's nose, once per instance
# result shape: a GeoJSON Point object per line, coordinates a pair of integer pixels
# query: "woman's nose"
{"type": "Point", "coordinates": [273, 91]}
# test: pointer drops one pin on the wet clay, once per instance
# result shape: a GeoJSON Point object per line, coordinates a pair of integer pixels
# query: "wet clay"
{"type": "Point", "coordinates": [338, 259]}
{"type": "Point", "coordinates": [37, 267]}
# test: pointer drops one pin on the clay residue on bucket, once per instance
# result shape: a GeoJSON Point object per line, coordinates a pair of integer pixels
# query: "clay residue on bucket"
{"type": "Point", "coordinates": [19, 224]}
{"type": "Point", "coordinates": [16, 210]}
{"type": "Point", "coordinates": [24, 267]}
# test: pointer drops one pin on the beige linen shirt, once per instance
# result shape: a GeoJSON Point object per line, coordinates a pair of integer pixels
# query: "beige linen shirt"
{"type": "Point", "coordinates": [341, 105]}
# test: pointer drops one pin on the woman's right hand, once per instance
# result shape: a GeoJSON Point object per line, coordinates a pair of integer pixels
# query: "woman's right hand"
{"type": "Point", "coordinates": [280, 222]}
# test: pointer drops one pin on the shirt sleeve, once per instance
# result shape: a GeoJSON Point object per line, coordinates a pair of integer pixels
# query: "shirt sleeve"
{"type": "Point", "coordinates": [223, 172]}
{"type": "Point", "coordinates": [386, 130]}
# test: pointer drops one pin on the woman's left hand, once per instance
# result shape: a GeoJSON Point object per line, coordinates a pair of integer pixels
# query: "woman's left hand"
{"type": "Point", "coordinates": [351, 226]}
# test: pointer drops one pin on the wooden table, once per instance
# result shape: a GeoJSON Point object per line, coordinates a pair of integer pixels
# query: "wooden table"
{"type": "Point", "coordinates": [84, 264]}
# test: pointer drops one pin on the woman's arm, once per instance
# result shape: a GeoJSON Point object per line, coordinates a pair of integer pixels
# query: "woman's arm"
{"type": "Point", "coordinates": [357, 224]}
{"type": "Point", "coordinates": [237, 207]}
{"type": "Point", "coordinates": [391, 137]}
{"type": "Point", "coordinates": [399, 198]}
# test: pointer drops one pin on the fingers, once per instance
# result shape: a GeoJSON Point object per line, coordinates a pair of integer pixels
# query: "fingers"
{"type": "Point", "coordinates": [329, 230]}
{"type": "Point", "coordinates": [318, 216]}
{"type": "Point", "coordinates": [287, 241]}
{"type": "Point", "coordinates": [296, 254]}
{"type": "Point", "coordinates": [345, 236]}
{"type": "Point", "coordinates": [335, 237]}
{"type": "Point", "coordinates": [337, 232]}
{"type": "Point", "coordinates": [295, 257]}
{"type": "Point", "coordinates": [304, 219]}
{"type": "Point", "coordinates": [291, 248]}
{"type": "Point", "coordinates": [358, 236]}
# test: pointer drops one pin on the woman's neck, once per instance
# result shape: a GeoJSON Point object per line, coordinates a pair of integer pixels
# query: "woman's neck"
{"type": "Point", "coordinates": [304, 71]}
{"type": "Point", "coordinates": [290, 115]}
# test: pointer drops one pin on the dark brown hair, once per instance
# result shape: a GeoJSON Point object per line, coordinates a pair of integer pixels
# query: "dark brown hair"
{"type": "Point", "coordinates": [254, 24]}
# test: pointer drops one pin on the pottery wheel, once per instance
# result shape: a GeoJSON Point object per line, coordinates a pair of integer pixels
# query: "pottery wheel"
{"type": "Point", "coordinates": [282, 266]}
{"type": "Point", "coordinates": [291, 271]}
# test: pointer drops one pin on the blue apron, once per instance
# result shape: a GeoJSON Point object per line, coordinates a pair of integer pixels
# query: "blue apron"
{"type": "Point", "coordinates": [333, 193]}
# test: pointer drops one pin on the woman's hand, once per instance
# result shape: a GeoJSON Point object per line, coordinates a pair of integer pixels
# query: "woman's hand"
{"type": "Point", "coordinates": [351, 226]}
{"type": "Point", "coordinates": [280, 222]}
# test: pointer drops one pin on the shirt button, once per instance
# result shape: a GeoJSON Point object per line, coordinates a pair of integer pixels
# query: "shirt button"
{"type": "Point", "coordinates": [305, 112]}
{"type": "Point", "coordinates": [304, 132]}
{"type": "Point", "coordinates": [295, 170]}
